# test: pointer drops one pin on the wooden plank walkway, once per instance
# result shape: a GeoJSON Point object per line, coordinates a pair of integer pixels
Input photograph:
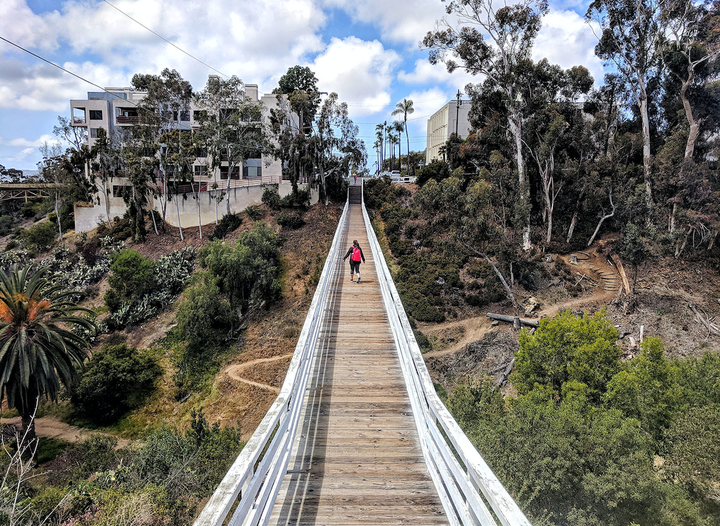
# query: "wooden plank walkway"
{"type": "Point", "coordinates": [356, 458]}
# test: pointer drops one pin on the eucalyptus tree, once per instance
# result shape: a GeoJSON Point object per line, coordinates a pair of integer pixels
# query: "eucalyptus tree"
{"type": "Point", "coordinates": [165, 107]}
{"type": "Point", "coordinates": [140, 163]}
{"type": "Point", "coordinates": [337, 147]}
{"type": "Point", "coordinates": [693, 45]}
{"type": "Point", "coordinates": [631, 34]}
{"type": "Point", "coordinates": [299, 83]}
{"type": "Point", "coordinates": [37, 351]}
{"type": "Point", "coordinates": [231, 127]}
{"type": "Point", "coordinates": [105, 162]}
{"type": "Point", "coordinates": [551, 93]}
{"type": "Point", "coordinates": [52, 169]}
{"type": "Point", "coordinates": [405, 108]}
{"type": "Point", "coordinates": [492, 42]}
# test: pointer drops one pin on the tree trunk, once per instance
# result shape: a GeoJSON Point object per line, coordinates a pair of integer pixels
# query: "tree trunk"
{"type": "Point", "coordinates": [647, 159]}
{"type": "Point", "coordinates": [602, 219]}
{"type": "Point", "coordinates": [177, 209]}
{"type": "Point", "coordinates": [515, 123]}
{"type": "Point", "coordinates": [573, 221]}
{"type": "Point", "coordinates": [694, 126]}
{"type": "Point", "coordinates": [57, 215]}
{"type": "Point", "coordinates": [407, 138]}
{"type": "Point", "coordinates": [107, 200]}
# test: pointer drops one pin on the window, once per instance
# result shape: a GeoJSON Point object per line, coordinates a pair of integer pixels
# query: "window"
{"type": "Point", "coordinates": [234, 175]}
{"type": "Point", "coordinates": [198, 115]}
{"type": "Point", "coordinates": [94, 133]}
{"type": "Point", "coordinates": [95, 115]}
{"type": "Point", "coordinates": [200, 152]}
{"type": "Point", "coordinates": [120, 191]}
{"type": "Point", "coordinates": [252, 171]}
{"type": "Point", "coordinates": [185, 116]}
{"type": "Point", "coordinates": [200, 171]}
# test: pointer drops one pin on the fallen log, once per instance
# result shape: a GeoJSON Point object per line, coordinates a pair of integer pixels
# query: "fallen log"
{"type": "Point", "coordinates": [515, 320]}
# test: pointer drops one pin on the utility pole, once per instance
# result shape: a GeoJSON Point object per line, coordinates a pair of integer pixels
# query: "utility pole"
{"type": "Point", "coordinates": [457, 112]}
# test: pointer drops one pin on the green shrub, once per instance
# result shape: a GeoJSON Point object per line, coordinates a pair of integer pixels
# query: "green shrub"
{"type": "Point", "coordinates": [291, 221]}
{"type": "Point", "coordinates": [39, 237]}
{"type": "Point", "coordinates": [6, 223]}
{"type": "Point", "coordinates": [271, 197]}
{"type": "Point", "coordinates": [254, 212]}
{"type": "Point", "coordinates": [132, 276]}
{"type": "Point", "coordinates": [117, 379]}
{"type": "Point", "coordinates": [568, 349]}
{"type": "Point", "coordinates": [249, 271]}
{"type": "Point", "coordinates": [205, 318]}
{"type": "Point", "coordinates": [227, 224]}
{"type": "Point", "coordinates": [171, 272]}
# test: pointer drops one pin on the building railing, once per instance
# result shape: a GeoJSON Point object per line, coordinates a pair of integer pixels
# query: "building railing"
{"type": "Point", "coordinates": [204, 184]}
{"type": "Point", "coordinates": [256, 475]}
{"type": "Point", "coordinates": [459, 472]}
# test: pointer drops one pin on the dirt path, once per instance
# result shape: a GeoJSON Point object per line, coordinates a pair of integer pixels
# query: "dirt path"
{"type": "Point", "coordinates": [590, 264]}
{"type": "Point", "coordinates": [51, 427]}
{"type": "Point", "coordinates": [233, 371]}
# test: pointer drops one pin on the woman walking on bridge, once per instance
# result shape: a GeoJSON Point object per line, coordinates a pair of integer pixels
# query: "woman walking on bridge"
{"type": "Point", "coordinates": [356, 254]}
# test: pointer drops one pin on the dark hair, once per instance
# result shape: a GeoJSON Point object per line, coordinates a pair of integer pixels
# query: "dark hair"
{"type": "Point", "coordinates": [355, 243]}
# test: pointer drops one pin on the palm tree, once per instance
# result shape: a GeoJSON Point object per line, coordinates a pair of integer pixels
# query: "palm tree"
{"type": "Point", "coordinates": [405, 107]}
{"type": "Point", "coordinates": [37, 352]}
{"type": "Point", "coordinates": [380, 135]}
{"type": "Point", "coordinates": [398, 126]}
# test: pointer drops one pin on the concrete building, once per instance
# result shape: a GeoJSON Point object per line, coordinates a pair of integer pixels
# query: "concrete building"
{"type": "Point", "coordinates": [116, 109]}
{"type": "Point", "coordinates": [442, 124]}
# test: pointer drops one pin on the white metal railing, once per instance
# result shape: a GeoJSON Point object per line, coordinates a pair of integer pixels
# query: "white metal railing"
{"type": "Point", "coordinates": [459, 483]}
{"type": "Point", "coordinates": [258, 471]}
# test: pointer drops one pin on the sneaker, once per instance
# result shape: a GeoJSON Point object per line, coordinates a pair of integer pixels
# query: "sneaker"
{"type": "Point", "coordinates": [358, 280]}
{"type": "Point", "coordinates": [352, 279]}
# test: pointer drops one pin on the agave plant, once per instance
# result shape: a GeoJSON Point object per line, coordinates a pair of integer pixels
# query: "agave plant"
{"type": "Point", "coordinates": [38, 352]}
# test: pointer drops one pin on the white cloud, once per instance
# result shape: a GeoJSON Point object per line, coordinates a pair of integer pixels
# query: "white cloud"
{"type": "Point", "coordinates": [566, 39]}
{"type": "Point", "coordinates": [251, 39]}
{"type": "Point", "coordinates": [21, 141]}
{"type": "Point", "coordinates": [359, 71]}
{"type": "Point", "coordinates": [426, 73]}
{"type": "Point", "coordinates": [400, 21]}
{"type": "Point", "coordinates": [22, 154]}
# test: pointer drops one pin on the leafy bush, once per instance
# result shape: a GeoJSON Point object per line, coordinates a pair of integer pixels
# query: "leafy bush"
{"type": "Point", "coordinates": [568, 349]}
{"type": "Point", "coordinates": [132, 275]}
{"type": "Point", "coordinates": [271, 197]}
{"type": "Point", "coordinates": [205, 318]}
{"type": "Point", "coordinates": [117, 379]}
{"type": "Point", "coordinates": [301, 198]}
{"type": "Point", "coordinates": [6, 223]}
{"type": "Point", "coordinates": [249, 272]}
{"type": "Point", "coordinates": [292, 221]}
{"type": "Point", "coordinates": [171, 272]}
{"type": "Point", "coordinates": [254, 212]}
{"type": "Point", "coordinates": [39, 237]}
{"type": "Point", "coordinates": [15, 257]}
{"type": "Point", "coordinates": [227, 224]}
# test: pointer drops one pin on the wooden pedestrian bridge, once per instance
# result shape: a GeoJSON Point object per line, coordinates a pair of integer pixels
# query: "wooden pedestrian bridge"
{"type": "Point", "coordinates": [357, 435]}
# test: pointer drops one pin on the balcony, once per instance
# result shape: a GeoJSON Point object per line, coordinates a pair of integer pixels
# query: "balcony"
{"type": "Point", "coordinates": [79, 121]}
{"type": "Point", "coordinates": [127, 119]}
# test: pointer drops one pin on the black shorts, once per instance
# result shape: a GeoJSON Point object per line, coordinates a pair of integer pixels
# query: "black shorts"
{"type": "Point", "coordinates": [354, 267]}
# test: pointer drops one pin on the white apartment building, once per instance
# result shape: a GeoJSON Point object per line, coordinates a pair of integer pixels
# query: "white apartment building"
{"type": "Point", "coordinates": [445, 122]}
{"type": "Point", "coordinates": [116, 108]}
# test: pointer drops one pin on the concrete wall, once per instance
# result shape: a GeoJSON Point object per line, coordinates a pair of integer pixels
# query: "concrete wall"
{"type": "Point", "coordinates": [89, 217]}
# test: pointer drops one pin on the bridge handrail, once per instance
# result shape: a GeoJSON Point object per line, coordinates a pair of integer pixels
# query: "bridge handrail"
{"type": "Point", "coordinates": [257, 473]}
{"type": "Point", "coordinates": [458, 483]}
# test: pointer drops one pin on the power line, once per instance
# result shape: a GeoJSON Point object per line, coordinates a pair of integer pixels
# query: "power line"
{"type": "Point", "coordinates": [166, 40]}
{"type": "Point", "coordinates": [65, 70]}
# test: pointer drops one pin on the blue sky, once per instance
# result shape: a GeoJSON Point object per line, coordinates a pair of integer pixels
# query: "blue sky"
{"type": "Point", "coordinates": [368, 52]}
